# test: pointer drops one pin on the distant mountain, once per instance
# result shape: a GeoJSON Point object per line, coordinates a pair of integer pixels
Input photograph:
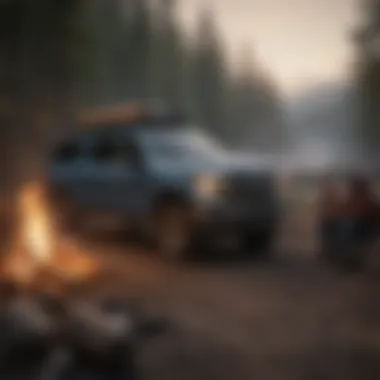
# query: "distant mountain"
{"type": "Point", "coordinates": [326, 106]}
{"type": "Point", "coordinates": [318, 97]}
{"type": "Point", "coordinates": [321, 125]}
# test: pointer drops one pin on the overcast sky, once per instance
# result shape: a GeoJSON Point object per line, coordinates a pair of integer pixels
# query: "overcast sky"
{"type": "Point", "coordinates": [302, 42]}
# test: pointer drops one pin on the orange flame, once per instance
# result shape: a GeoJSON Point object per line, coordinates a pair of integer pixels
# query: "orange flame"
{"type": "Point", "coordinates": [39, 247]}
{"type": "Point", "coordinates": [36, 227]}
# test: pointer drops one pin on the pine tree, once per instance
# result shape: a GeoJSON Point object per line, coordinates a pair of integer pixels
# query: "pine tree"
{"type": "Point", "coordinates": [168, 55]}
{"type": "Point", "coordinates": [209, 76]}
{"type": "Point", "coordinates": [368, 76]}
{"type": "Point", "coordinates": [40, 67]}
{"type": "Point", "coordinates": [254, 107]}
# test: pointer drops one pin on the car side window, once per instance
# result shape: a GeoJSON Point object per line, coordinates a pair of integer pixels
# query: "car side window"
{"type": "Point", "coordinates": [112, 152]}
{"type": "Point", "coordinates": [104, 150]}
{"type": "Point", "coordinates": [66, 152]}
{"type": "Point", "coordinates": [130, 154]}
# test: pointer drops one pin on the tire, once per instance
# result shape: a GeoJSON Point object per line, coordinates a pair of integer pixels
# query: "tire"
{"type": "Point", "coordinates": [171, 229]}
{"type": "Point", "coordinates": [259, 244]}
{"type": "Point", "coordinates": [71, 221]}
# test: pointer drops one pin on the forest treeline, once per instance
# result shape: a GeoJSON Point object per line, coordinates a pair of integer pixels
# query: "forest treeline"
{"type": "Point", "coordinates": [59, 56]}
{"type": "Point", "coordinates": [141, 52]}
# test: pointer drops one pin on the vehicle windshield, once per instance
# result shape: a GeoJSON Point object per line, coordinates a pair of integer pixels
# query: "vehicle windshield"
{"type": "Point", "coordinates": [182, 144]}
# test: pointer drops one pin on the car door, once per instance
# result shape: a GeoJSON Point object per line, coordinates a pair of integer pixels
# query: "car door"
{"type": "Point", "coordinates": [69, 168]}
{"type": "Point", "coordinates": [118, 185]}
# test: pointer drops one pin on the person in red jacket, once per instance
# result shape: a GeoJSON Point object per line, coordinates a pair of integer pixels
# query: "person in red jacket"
{"type": "Point", "coordinates": [363, 207]}
{"type": "Point", "coordinates": [349, 220]}
{"type": "Point", "coordinates": [357, 230]}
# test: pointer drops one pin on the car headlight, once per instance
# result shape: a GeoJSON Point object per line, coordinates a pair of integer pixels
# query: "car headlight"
{"type": "Point", "coordinates": [207, 186]}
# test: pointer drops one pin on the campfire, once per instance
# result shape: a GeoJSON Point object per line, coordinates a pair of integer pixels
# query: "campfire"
{"type": "Point", "coordinates": [39, 252]}
{"type": "Point", "coordinates": [100, 335]}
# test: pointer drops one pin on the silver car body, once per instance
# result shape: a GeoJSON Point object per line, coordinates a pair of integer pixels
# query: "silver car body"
{"type": "Point", "coordinates": [174, 160]}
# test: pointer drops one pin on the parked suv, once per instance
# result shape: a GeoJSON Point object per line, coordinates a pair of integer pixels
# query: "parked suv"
{"type": "Point", "coordinates": [170, 181]}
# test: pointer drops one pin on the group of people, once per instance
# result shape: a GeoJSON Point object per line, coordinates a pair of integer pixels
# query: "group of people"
{"type": "Point", "coordinates": [349, 220]}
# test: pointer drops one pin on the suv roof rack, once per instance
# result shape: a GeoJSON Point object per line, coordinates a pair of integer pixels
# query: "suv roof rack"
{"type": "Point", "coordinates": [127, 114]}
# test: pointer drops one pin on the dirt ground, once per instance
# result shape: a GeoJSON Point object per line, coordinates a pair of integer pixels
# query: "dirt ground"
{"type": "Point", "coordinates": [288, 318]}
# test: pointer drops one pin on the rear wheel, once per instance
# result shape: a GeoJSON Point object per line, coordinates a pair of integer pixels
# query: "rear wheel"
{"type": "Point", "coordinates": [72, 221]}
{"type": "Point", "coordinates": [260, 243]}
{"type": "Point", "coordinates": [66, 219]}
{"type": "Point", "coordinates": [171, 229]}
